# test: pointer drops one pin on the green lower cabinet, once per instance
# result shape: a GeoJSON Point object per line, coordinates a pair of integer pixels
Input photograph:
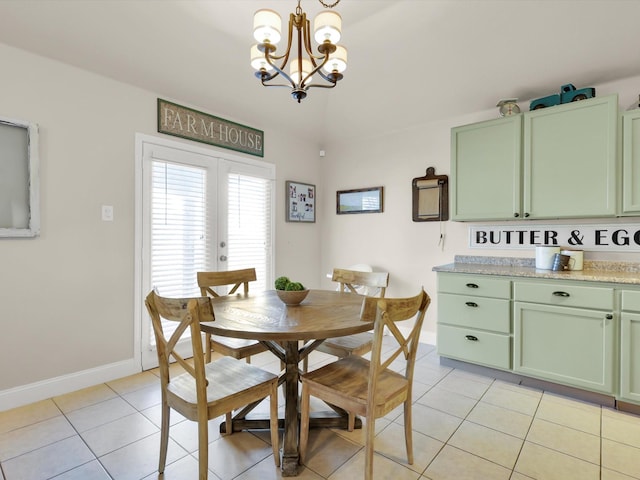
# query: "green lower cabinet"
{"type": "Point", "coordinates": [630, 357]}
{"type": "Point", "coordinates": [570, 346]}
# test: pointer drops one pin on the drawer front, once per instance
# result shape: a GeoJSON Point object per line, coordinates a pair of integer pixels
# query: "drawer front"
{"type": "Point", "coordinates": [475, 312]}
{"type": "Point", "coordinates": [630, 301]}
{"type": "Point", "coordinates": [560, 294]}
{"type": "Point", "coordinates": [468, 344]}
{"type": "Point", "coordinates": [476, 285]}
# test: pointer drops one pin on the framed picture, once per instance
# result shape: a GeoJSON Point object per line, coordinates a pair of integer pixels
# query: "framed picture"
{"type": "Point", "coordinates": [301, 202]}
{"type": "Point", "coordinates": [360, 200]}
{"type": "Point", "coordinates": [19, 179]}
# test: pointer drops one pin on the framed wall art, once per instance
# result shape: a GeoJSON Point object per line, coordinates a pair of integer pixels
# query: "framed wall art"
{"type": "Point", "coordinates": [360, 200]}
{"type": "Point", "coordinates": [19, 179]}
{"type": "Point", "coordinates": [301, 202]}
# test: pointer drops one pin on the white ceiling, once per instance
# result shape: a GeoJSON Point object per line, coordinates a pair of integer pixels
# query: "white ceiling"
{"type": "Point", "coordinates": [410, 61]}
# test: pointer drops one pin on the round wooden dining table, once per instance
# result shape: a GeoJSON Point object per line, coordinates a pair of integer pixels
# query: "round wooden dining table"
{"type": "Point", "coordinates": [290, 333]}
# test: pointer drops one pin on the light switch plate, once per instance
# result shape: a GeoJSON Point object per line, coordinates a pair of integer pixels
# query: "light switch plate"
{"type": "Point", "coordinates": [107, 213]}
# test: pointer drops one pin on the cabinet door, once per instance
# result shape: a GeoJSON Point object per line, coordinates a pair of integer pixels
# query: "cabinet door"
{"type": "Point", "coordinates": [569, 157]}
{"type": "Point", "coordinates": [571, 346]}
{"type": "Point", "coordinates": [630, 357]}
{"type": "Point", "coordinates": [631, 162]}
{"type": "Point", "coordinates": [485, 170]}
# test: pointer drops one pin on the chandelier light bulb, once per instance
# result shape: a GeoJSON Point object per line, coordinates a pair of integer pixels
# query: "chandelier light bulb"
{"type": "Point", "coordinates": [337, 61]}
{"type": "Point", "coordinates": [306, 69]}
{"type": "Point", "coordinates": [258, 60]}
{"type": "Point", "coordinates": [267, 26]}
{"type": "Point", "coordinates": [327, 26]}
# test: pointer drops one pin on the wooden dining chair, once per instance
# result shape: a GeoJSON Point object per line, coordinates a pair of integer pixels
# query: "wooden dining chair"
{"type": "Point", "coordinates": [204, 390]}
{"type": "Point", "coordinates": [231, 347]}
{"type": "Point", "coordinates": [367, 283]}
{"type": "Point", "coordinates": [372, 389]}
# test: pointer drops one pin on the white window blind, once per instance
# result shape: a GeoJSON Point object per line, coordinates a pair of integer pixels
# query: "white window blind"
{"type": "Point", "coordinates": [249, 226]}
{"type": "Point", "coordinates": [178, 230]}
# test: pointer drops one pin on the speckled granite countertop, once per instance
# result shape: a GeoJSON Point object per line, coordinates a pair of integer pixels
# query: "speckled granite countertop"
{"type": "Point", "coordinates": [594, 271]}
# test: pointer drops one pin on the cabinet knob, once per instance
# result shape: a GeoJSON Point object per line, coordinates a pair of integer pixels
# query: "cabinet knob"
{"type": "Point", "coordinates": [472, 285]}
{"type": "Point", "coordinates": [561, 294]}
{"type": "Point", "coordinates": [471, 304]}
{"type": "Point", "coordinates": [516, 214]}
{"type": "Point", "coordinates": [609, 316]}
{"type": "Point", "coordinates": [472, 338]}
{"type": "Point", "coordinates": [526, 214]}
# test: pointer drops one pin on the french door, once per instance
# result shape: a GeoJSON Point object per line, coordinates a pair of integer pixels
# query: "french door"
{"type": "Point", "coordinates": [197, 210]}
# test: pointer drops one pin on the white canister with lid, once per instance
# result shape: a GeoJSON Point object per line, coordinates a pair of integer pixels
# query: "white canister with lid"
{"type": "Point", "coordinates": [577, 258]}
{"type": "Point", "coordinates": [544, 256]}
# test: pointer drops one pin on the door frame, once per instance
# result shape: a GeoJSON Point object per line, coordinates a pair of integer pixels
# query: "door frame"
{"type": "Point", "coordinates": [222, 156]}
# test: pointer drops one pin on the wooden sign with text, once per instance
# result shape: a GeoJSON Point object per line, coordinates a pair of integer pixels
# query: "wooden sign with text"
{"type": "Point", "coordinates": [201, 127]}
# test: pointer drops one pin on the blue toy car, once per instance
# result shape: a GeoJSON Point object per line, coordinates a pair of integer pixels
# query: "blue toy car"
{"type": "Point", "coordinates": [568, 93]}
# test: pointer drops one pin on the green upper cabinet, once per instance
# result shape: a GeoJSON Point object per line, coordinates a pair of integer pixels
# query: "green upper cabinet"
{"type": "Point", "coordinates": [485, 170]}
{"type": "Point", "coordinates": [569, 155]}
{"type": "Point", "coordinates": [555, 162]}
{"type": "Point", "coordinates": [631, 162]}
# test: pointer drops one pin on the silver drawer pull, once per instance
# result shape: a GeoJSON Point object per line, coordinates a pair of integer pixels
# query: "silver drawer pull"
{"type": "Point", "coordinates": [472, 338]}
{"type": "Point", "coordinates": [471, 304]}
{"type": "Point", "coordinates": [561, 294]}
{"type": "Point", "coordinates": [472, 285]}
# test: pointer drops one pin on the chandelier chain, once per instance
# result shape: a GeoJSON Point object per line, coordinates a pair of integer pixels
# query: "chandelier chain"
{"type": "Point", "coordinates": [325, 5]}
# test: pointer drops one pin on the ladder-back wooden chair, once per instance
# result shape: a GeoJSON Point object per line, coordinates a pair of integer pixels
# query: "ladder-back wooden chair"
{"type": "Point", "coordinates": [367, 283]}
{"type": "Point", "coordinates": [230, 347]}
{"type": "Point", "coordinates": [371, 389]}
{"type": "Point", "coordinates": [203, 391]}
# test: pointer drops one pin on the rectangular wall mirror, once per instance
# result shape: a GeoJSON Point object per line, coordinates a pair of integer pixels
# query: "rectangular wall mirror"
{"type": "Point", "coordinates": [19, 180]}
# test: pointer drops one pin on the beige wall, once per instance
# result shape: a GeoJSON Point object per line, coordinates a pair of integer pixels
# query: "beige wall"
{"type": "Point", "coordinates": [391, 241]}
{"type": "Point", "coordinates": [67, 295]}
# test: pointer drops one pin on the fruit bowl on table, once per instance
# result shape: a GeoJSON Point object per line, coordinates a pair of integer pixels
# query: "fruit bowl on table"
{"type": "Point", "coordinates": [292, 297]}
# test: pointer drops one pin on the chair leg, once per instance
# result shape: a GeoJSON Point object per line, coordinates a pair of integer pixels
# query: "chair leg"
{"type": "Point", "coordinates": [304, 421]}
{"type": "Point", "coordinates": [305, 364]}
{"type": "Point", "coordinates": [164, 436]}
{"type": "Point", "coordinates": [408, 429]}
{"type": "Point", "coordinates": [207, 350]}
{"type": "Point", "coordinates": [228, 423]}
{"type": "Point", "coordinates": [203, 449]}
{"type": "Point", "coordinates": [370, 431]}
{"type": "Point", "coordinates": [275, 436]}
{"type": "Point", "coordinates": [247, 359]}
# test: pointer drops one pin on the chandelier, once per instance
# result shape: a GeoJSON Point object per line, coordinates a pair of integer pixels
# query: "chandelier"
{"type": "Point", "coordinates": [329, 64]}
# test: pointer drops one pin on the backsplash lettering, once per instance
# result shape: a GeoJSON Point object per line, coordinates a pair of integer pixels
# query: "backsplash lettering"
{"type": "Point", "coordinates": [610, 238]}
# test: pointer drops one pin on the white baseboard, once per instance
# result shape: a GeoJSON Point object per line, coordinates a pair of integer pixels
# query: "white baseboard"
{"type": "Point", "coordinates": [34, 392]}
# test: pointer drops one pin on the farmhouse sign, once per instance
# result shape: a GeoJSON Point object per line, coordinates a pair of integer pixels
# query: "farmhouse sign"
{"type": "Point", "coordinates": [605, 238]}
{"type": "Point", "coordinates": [191, 124]}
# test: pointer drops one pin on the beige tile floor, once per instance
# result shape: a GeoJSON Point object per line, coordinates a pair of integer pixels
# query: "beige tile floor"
{"type": "Point", "coordinates": [466, 426]}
